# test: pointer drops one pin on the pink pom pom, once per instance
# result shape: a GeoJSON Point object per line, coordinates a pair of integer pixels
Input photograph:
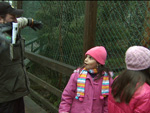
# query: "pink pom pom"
{"type": "Point", "coordinates": [101, 97]}
{"type": "Point", "coordinates": [81, 99]}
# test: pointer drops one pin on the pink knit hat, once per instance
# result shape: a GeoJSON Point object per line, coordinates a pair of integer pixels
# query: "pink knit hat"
{"type": "Point", "coordinates": [137, 58]}
{"type": "Point", "coordinates": [98, 53]}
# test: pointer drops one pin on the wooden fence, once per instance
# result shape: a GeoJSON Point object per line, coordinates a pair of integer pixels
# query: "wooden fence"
{"type": "Point", "coordinates": [51, 64]}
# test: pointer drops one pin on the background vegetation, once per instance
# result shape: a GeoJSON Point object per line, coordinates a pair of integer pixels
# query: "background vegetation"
{"type": "Point", "coordinates": [119, 25]}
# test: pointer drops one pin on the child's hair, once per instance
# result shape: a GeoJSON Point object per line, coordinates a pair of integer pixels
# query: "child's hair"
{"type": "Point", "coordinates": [101, 69]}
{"type": "Point", "coordinates": [137, 73]}
{"type": "Point", "coordinates": [125, 85]}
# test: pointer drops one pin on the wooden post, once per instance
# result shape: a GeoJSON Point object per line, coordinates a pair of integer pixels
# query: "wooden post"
{"type": "Point", "coordinates": [19, 4]}
{"type": "Point", "coordinates": [90, 25]}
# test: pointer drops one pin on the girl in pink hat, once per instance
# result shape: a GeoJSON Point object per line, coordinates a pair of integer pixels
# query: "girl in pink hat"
{"type": "Point", "coordinates": [130, 91]}
{"type": "Point", "coordinates": [88, 88]}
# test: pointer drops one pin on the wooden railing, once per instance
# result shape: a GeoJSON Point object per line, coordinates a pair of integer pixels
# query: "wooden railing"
{"type": "Point", "coordinates": [51, 64]}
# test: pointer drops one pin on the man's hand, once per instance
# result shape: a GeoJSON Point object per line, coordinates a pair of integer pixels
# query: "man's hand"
{"type": "Point", "coordinates": [35, 24]}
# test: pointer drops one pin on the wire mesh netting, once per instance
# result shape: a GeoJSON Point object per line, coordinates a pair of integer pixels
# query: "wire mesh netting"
{"type": "Point", "coordinates": [62, 34]}
{"type": "Point", "coordinates": [120, 24]}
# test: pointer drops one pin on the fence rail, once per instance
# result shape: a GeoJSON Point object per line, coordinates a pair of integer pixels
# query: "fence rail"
{"type": "Point", "coordinates": [54, 65]}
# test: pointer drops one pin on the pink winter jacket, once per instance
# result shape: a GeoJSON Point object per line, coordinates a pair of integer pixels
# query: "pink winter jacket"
{"type": "Point", "coordinates": [91, 103]}
{"type": "Point", "coordinates": [140, 102]}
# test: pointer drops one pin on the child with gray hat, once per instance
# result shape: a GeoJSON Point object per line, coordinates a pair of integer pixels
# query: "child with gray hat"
{"type": "Point", "coordinates": [130, 91]}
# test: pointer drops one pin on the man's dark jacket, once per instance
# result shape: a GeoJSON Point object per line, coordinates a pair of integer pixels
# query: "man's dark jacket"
{"type": "Point", "coordinates": [14, 82]}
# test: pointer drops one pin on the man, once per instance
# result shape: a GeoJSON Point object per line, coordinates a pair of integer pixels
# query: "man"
{"type": "Point", "coordinates": [14, 83]}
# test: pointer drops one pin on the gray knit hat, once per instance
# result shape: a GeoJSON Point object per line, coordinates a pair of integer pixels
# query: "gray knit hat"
{"type": "Point", "coordinates": [137, 58]}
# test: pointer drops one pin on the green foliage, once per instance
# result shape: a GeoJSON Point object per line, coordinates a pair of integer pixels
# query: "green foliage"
{"type": "Point", "coordinates": [61, 36]}
{"type": "Point", "coordinates": [119, 25]}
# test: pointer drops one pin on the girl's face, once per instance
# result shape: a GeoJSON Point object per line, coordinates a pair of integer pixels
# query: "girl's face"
{"type": "Point", "coordinates": [90, 62]}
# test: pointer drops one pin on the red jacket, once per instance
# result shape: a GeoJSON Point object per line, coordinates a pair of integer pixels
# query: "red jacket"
{"type": "Point", "coordinates": [140, 102]}
{"type": "Point", "coordinates": [91, 103]}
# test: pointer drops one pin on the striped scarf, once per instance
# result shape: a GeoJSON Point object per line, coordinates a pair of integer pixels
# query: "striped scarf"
{"type": "Point", "coordinates": [82, 80]}
{"type": "Point", "coordinates": [105, 86]}
{"type": "Point", "coordinates": [81, 83]}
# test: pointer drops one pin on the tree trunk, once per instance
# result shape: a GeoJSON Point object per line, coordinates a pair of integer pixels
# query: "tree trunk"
{"type": "Point", "coordinates": [19, 4]}
{"type": "Point", "coordinates": [90, 25]}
